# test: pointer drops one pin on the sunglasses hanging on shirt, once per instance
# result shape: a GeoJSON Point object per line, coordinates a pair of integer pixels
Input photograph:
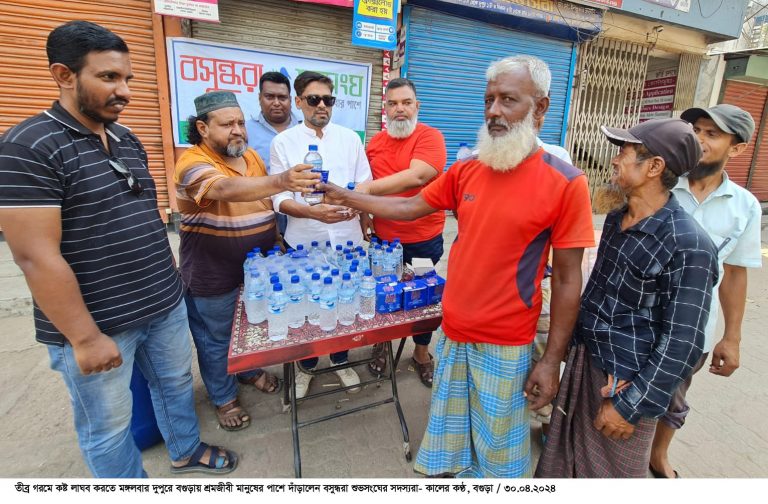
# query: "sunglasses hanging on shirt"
{"type": "Point", "coordinates": [133, 181]}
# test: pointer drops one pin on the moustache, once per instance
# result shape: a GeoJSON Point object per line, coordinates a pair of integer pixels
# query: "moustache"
{"type": "Point", "coordinates": [490, 123]}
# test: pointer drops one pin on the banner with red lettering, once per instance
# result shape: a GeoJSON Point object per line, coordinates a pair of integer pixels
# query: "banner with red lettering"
{"type": "Point", "coordinates": [196, 67]}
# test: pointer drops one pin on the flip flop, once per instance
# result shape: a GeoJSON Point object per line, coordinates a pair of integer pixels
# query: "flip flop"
{"type": "Point", "coordinates": [230, 411]}
{"type": "Point", "coordinates": [426, 371]}
{"type": "Point", "coordinates": [217, 463]}
{"type": "Point", "coordinates": [659, 474]}
{"type": "Point", "coordinates": [272, 384]}
{"type": "Point", "coordinates": [379, 363]}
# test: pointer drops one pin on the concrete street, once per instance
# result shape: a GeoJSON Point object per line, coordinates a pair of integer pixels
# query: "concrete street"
{"type": "Point", "coordinates": [726, 434]}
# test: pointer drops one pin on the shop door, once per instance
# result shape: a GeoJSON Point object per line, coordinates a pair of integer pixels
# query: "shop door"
{"type": "Point", "coordinates": [608, 90]}
{"type": "Point", "coordinates": [280, 26]}
{"type": "Point", "coordinates": [750, 168]}
{"type": "Point", "coordinates": [27, 86]}
{"type": "Point", "coordinates": [446, 57]}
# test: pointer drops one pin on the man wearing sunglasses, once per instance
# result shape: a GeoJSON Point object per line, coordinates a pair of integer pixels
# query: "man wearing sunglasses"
{"type": "Point", "coordinates": [78, 208]}
{"type": "Point", "coordinates": [344, 158]}
{"type": "Point", "coordinates": [223, 191]}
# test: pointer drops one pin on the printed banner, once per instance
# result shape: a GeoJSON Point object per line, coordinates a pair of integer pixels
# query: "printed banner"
{"type": "Point", "coordinates": [615, 4]}
{"type": "Point", "coordinates": [196, 67]}
{"type": "Point", "coordinates": [658, 94]}
{"type": "Point", "coordinates": [202, 10]}
{"type": "Point", "coordinates": [374, 24]}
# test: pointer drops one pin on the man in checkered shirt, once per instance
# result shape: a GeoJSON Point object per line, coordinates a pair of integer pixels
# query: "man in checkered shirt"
{"type": "Point", "coordinates": [641, 323]}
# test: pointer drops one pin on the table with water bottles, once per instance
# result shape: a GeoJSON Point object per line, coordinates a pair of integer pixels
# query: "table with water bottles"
{"type": "Point", "coordinates": [328, 306]}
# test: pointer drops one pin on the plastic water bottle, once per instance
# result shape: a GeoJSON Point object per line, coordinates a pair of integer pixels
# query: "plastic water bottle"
{"type": "Point", "coordinates": [398, 250]}
{"type": "Point", "coordinates": [328, 310]}
{"type": "Point", "coordinates": [338, 255]}
{"type": "Point", "coordinates": [346, 301]}
{"type": "Point", "coordinates": [314, 251]}
{"type": "Point", "coordinates": [464, 152]}
{"type": "Point", "coordinates": [316, 160]}
{"type": "Point", "coordinates": [388, 262]}
{"type": "Point", "coordinates": [355, 278]}
{"type": "Point", "coordinates": [376, 260]}
{"type": "Point", "coordinates": [277, 316]}
{"type": "Point", "coordinates": [255, 300]}
{"type": "Point", "coordinates": [313, 299]}
{"type": "Point", "coordinates": [328, 250]}
{"type": "Point", "coordinates": [296, 303]}
{"type": "Point", "coordinates": [249, 258]}
{"type": "Point", "coordinates": [367, 296]}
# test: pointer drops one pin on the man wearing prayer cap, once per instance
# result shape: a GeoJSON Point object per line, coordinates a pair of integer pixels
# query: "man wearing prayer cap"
{"type": "Point", "coordinates": [223, 193]}
{"type": "Point", "coordinates": [640, 329]}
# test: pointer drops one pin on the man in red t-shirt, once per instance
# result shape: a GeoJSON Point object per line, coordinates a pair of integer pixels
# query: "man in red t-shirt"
{"type": "Point", "coordinates": [514, 203]}
{"type": "Point", "coordinates": [404, 159]}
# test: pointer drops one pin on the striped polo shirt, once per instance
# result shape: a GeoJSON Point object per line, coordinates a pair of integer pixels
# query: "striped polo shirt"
{"type": "Point", "coordinates": [216, 235]}
{"type": "Point", "coordinates": [112, 238]}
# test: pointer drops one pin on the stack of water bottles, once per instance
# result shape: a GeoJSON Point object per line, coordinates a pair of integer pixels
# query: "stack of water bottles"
{"type": "Point", "coordinates": [319, 285]}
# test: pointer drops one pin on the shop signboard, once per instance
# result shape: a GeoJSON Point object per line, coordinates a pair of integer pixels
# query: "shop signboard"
{"type": "Point", "coordinates": [196, 67]}
{"type": "Point", "coordinates": [200, 10]}
{"type": "Point", "coordinates": [374, 24]}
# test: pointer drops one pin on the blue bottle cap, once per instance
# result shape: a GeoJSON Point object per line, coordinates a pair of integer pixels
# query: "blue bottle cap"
{"type": "Point", "coordinates": [257, 250]}
{"type": "Point", "coordinates": [351, 186]}
{"type": "Point", "coordinates": [367, 272]}
{"type": "Point", "coordinates": [295, 279]}
{"type": "Point", "coordinates": [327, 243]}
{"type": "Point", "coordinates": [346, 276]}
{"type": "Point", "coordinates": [315, 276]}
{"type": "Point", "coordinates": [339, 247]}
{"type": "Point", "coordinates": [299, 247]}
{"type": "Point", "coordinates": [350, 243]}
{"type": "Point", "coordinates": [334, 272]}
{"type": "Point", "coordinates": [277, 287]}
{"type": "Point", "coordinates": [327, 280]}
{"type": "Point", "coordinates": [348, 257]}
{"type": "Point", "coordinates": [274, 279]}
{"type": "Point", "coordinates": [313, 148]}
{"type": "Point", "coordinates": [270, 253]}
{"type": "Point", "coordinates": [314, 244]}
{"type": "Point", "coordinates": [353, 268]}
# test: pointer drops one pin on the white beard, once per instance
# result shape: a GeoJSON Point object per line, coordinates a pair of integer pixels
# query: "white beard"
{"type": "Point", "coordinates": [504, 153]}
{"type": "Point", "coordinates": [402, 129]}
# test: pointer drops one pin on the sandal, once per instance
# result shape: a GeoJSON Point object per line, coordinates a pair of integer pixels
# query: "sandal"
{"type": "Point", "coordinates": [426, 370]}
{"type": "Point", "coordinates": [223, 462]}
{"type": "Point", "coordinates": [271, 384]}
{"type": "Point", "coordinates": [378, 365]}
{"type": "Point", "coordinates": [232, 411]}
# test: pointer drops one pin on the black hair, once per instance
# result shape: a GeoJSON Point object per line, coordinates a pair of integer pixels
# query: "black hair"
{"type": "Point", "coordinates": [71, 42]}
{"type": "Point", "coordinates": [401, 82]}
{"type": "Point", "coordinates": [275, 77]}
{"type": "Point", "coordinates": [304, 79]}
{"type": "Point", "coordinates": [193, 136]}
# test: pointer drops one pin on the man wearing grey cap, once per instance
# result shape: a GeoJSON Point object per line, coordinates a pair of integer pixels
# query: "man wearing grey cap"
{"type": "Point", "coordinates": [641, 322]}
{"type": "Point", "coordinates": [223, 191]}
{"type": "Point", "coordinates": [731, 215]}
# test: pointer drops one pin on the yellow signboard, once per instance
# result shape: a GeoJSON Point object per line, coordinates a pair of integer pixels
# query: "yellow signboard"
{"type": "Point", "coordinates": [376, 8]}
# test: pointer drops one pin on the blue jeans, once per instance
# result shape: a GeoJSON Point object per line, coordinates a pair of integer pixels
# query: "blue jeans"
{"type": "Point", "coordinates": [432, 248]}
{"type": "Point", "coordinates": [102, 402]}
{"type": "Point", "coordinates": [210, 320]}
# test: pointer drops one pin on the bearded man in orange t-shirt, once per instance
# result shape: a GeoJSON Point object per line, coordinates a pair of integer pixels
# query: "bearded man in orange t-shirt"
{"type": "Point", "coordinates": [404, 159]}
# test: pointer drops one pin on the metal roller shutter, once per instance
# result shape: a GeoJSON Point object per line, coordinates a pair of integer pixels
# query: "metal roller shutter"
{"type": "Point", "coordinates": [27, 86]}
{"type": "Point", "coordinates": [296, 28]}
{"type": "Point", "coordinates": [753, 98]}
{"type": "Point", "coordinates": [447, 56]}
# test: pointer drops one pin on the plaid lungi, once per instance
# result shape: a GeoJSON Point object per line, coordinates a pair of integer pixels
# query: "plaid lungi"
{"type": "Point", "coordinates": [478, 420]}
{"type": "Point", "coordinates": [575, 449]}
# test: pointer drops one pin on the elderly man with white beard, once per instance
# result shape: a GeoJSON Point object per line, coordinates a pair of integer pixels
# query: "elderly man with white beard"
{"type": "Point", "coordinates": [514, 202]}
{"type": "Point", "coordinates": [404, 159]}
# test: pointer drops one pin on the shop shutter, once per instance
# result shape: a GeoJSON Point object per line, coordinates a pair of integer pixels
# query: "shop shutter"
{"type": "Point", "coordinates": [27, 86]}
{"type": "Point", "coordinates": [447, 56]}
{"type": "Point", "coordinates": [610, 76]}
{"type": "Point", "coordinates": [297, 28]}
{"type": "Point", "coordinates": [752, 98]}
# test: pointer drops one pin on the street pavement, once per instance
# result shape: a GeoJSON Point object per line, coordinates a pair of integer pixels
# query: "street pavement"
{"type": "Point", "coordinates": [726, 434]}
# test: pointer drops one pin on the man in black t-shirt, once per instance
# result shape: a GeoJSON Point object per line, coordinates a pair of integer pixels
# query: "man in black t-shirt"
{"type": "Point", "coordinates": [78, 209]}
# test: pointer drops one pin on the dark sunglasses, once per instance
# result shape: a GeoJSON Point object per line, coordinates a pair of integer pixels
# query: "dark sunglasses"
{"type": "Point", "coordinates": [313, 100]}
{"type": "Point", "coordinates": [123, 170]}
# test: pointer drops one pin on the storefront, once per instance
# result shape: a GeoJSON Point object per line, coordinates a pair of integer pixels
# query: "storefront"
{"type": "Point", "coordinates": [295, 28]}
{"type": "Point", "coordinates": [449, 45]}
{"type": "Point", "coordinates": [27, 86]}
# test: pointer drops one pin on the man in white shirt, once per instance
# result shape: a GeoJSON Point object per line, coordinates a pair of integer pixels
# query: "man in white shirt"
{"type": "Point", "coordinates": [344, 157]}
{"type": "Point", "coordinates": [731, 215]}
